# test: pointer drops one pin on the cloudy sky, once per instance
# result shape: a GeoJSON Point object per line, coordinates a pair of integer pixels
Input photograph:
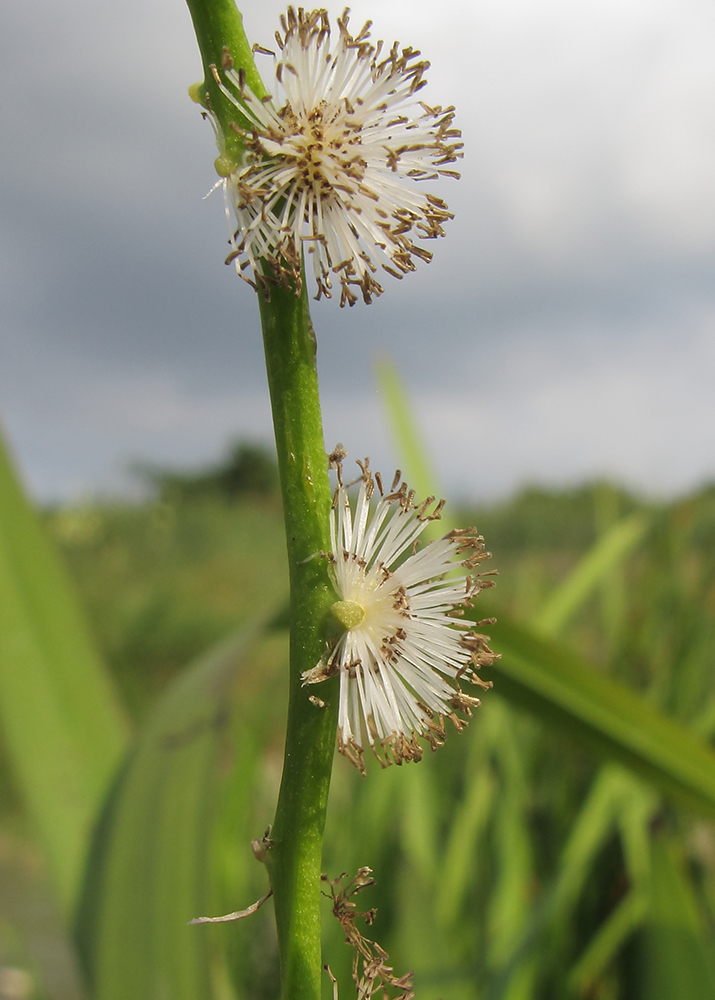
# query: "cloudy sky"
{"type": "Point", "coordinates": [565, 330]}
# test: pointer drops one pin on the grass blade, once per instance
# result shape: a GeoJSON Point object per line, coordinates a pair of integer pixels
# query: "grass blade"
{"type": "Point", "coordinates": [151, 870]}
{"type": "Point", "coordinates": [675, 961]}
{"type": "Point", "coordinates": [602, 949]}
{"type": "Point", "coordinates": [606, 554]}
{"type": "Point", "coordinates": [63, 726]}
{"type": "Point", "coordinates": [562, 689]}
{"type": "Point", "coordinates": [413, 458]}
{"type": "Point", "coordinates": [470, 817]}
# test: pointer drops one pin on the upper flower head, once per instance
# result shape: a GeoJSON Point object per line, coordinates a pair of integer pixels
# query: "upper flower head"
{"type": "Point", "coordinates": [404, 649]}
{"type": "Point", "coordinates": [328, 166]}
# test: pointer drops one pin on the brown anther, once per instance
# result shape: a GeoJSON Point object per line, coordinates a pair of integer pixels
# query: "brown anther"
{"type": "Point", "coordinates": [423, 507]}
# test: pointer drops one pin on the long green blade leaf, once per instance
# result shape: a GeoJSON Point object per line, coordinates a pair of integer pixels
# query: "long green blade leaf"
{"type": "Point", "coordinates": [675, 956]}
{"type": "Point", "coordinates": [412, 455]}
{"type": "Point", "coordinates": [560, 688]}
{"type": "Point", "coordinates": [608, 551]}
{"type": "Point", "coordinates": [616, 930]}
{"type": "Point", "coordinates": [151, 869]}
{"type": "Point", "coordinates": [63, 727]}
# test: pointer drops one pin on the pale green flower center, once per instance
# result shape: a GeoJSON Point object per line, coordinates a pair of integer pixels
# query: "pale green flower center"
{"type": "Point", "coordinates": [348, 613]}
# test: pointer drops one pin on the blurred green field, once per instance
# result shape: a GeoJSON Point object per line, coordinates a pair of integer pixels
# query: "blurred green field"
{"type": "Point", "coordinates": [511, 864]}
{"type": "Point", "coordinates": [163, 580]}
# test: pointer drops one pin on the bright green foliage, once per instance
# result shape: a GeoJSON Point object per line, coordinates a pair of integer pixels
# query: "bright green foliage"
{"type": "Point", "coordinates": [654, 625]}
{"type": "Point", "coordinates": [63, 729]}
{"type": "Point", "coordinates": [676, 957]}
{"type": "Point", "coordinates": [407, 439]}
{"type": "Point", "coordinates": [163, 582]}
{"type": "Point", "coordinates": [604, 714]}
{"type": "Point", "coordinates": [151, 869]}
{"type": "Point", "coordinates": [510, 864]}
{"type": "Point", "coordinates": [614, 545]}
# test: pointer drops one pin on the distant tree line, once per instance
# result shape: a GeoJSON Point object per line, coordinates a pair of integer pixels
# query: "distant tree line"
{"type": "Point", "coordinates": [247, 470]}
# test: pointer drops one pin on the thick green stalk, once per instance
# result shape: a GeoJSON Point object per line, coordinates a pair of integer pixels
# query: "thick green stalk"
{"type": "Point", "coordinates": [294, 861]}
{"type": "Point", "coordinates": [218, 24]}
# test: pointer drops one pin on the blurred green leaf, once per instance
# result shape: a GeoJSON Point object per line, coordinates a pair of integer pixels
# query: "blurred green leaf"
{"type": "Point", "coordinates": [607, 796]}
{"type": "Point", "coordinates": [511, 853]}
{"type": "Point", "coordinates": [601, 950]}
{"type": "Point", "coordinates": [63, 727]}
{"type": "Point", "coordinates": [615, 797]}
{"type": "Point", "coordinates": [413, 456]}
{"type": "Point", "coordinates": [151, 867]}
{"type": "Point", "coordinates": [634, 821]}
{"type": "Point", "coordinates": [563, 690]}
{"type": "Point", "coordinates": [559, 687]}
{"type": "Point", "coordinates": [466, 827]}
{"type": "Point", "coordinates": [604, 556]}
{"type": "Point", "coordinates": [419, 821]}
{"type": "Point", "coordinates": [675, 959]}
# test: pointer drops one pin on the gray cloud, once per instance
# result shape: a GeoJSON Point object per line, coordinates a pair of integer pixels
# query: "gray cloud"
{"type": "Point", "coordinates": [563, 329]}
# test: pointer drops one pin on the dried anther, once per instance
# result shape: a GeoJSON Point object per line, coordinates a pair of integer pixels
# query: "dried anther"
{"type": "Point", "coordinates": [371, 973]}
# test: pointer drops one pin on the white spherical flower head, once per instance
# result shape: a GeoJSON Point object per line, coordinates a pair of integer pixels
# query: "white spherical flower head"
{"type": "Point", "coordinates": [331, 160]}
{"type": "Point", "coordinates": [404, 651]}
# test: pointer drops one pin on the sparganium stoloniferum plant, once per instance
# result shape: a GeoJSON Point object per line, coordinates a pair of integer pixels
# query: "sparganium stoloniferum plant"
{"type": "Point", "coordinates": [327, 175]}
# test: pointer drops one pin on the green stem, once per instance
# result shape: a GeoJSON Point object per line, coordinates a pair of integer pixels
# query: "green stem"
{"type": "Point", "coordinates": [219, 24]}
{"type": "Point", "coordinates": [295, 859]}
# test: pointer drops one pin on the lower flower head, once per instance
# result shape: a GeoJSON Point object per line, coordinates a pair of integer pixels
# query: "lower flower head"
{"type": "Point", "coordinates": [329, 165]}
{"type": "Point", "coordinates": [404, 652]}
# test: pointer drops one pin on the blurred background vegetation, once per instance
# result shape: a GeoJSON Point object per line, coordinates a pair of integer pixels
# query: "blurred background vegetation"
{"type": "Point", "coordinates": [515, 863]}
